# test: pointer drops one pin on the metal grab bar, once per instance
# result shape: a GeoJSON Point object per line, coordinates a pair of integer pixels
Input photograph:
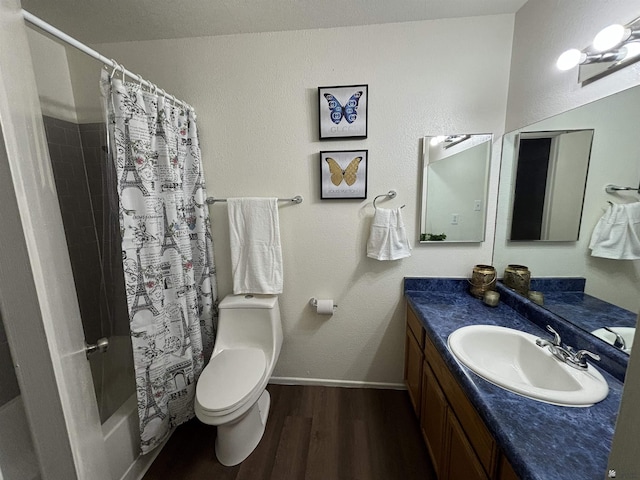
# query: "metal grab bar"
{"type": "Point", "coordinates": [615, 188]}
{"type": "Point", "coordinates": [296, 199]}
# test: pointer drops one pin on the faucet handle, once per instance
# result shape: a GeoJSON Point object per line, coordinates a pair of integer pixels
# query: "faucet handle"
{"type": "Point", "coordinates": [619, 341]}
{"type": "Point", "coordinates": [580, 357]}
{"type": "Point", "coordinates": [557, 341]}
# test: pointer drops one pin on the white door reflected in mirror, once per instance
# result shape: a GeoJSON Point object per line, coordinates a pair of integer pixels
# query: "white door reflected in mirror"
{"type": "Point", "coordinates": [548, 191]}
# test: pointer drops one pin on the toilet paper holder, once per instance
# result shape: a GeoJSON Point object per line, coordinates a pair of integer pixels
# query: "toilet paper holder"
{"type": "Point", "coordinates": [314, 303]}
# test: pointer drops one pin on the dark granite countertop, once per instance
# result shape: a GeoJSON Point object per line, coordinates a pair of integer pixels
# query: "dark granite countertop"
{"type": "Point", "coordinates": [541, 441]}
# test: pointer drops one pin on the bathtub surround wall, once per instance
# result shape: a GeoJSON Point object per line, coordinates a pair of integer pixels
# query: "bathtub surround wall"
{"type": "Point", "coordinates": [242, 84]}
{"type": "Point", "coordinates": [78, 162]}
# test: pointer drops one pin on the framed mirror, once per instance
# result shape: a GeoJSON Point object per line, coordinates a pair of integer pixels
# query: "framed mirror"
{"type": "Point", "coordinates": [608, 290]}
{"type": "Point", "coordinates": [548, 189]}
{"type": "Point", "coordinates": [455, 175]}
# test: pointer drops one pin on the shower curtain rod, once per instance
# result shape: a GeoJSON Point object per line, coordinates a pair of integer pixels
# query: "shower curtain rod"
{"type": "Point", "coordinates": [32, 19]}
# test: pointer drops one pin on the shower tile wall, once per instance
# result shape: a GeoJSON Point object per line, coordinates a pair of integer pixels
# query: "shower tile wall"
{"type": "Point", "coordinates": [8, 382]}
{"type": "Point", "coordinates": [65, 151]}
{"type": "Point", "coordinates": [77, 157]}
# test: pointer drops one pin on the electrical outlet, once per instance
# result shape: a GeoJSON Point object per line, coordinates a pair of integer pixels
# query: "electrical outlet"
{"type": "Point", "coordinates": [454, 218]}
{"type": "Point", "coordinates": [477, 205]}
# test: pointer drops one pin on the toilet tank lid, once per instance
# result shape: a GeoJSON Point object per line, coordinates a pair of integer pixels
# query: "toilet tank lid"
{"type": "Point", "coordinates": [248, 301]}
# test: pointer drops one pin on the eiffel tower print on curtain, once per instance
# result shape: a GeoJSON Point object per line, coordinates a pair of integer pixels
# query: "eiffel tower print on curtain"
{"type": "Point", "coordinates": [157, 160]}
{"type": "Point", "coordinates": [151, 408]}
{"type": "Point", "coordinates": [167, 241]}
{"type": "Point", "coordinates": [141, 300]}
{"type": "Point", "coordinates": [130, 177]}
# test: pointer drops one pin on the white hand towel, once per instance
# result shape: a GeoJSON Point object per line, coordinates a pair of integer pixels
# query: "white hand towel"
{"type": "Point", "coordinates": [617, 233]}
{"type": "Point", "coordinates": [388, 238]}
{"type": "Point", "coordinates": [256, 254]}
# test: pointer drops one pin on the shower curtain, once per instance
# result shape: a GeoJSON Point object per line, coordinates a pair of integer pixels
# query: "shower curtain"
{"type": "Point", "coordinates": [167, 251]}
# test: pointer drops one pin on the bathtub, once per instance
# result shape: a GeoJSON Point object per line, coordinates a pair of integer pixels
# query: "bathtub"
{"type": "Point", "coordinates": [18, 460]}
{"type": "Point", "coordinates": [122, 442]}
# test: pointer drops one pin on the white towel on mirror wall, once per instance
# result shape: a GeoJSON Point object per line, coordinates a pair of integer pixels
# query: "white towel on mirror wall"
{"type": "Point", "coordinates": [388, 238]}
{"type": "Point", "coordinates": [617, 233]}
{"type": "Point", "coordinates": [256, 253]}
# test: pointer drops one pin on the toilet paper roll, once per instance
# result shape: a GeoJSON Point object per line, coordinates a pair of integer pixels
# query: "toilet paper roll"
{"type": "Point", "coordinates": [325, 307]}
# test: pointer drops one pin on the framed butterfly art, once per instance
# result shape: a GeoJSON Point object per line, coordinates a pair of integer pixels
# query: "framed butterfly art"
{"type": "Point", "coordinates": [343, 174]}
{"type": "Point", "coordinates": [343, 111]}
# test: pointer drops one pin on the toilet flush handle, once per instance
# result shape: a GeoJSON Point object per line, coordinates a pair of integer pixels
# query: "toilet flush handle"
{"type": "Point", "coordinates": [101, 345]}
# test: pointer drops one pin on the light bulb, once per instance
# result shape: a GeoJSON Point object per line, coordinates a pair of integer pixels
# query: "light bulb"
{"type": "Point", "coordinates": [569, 59]}
{"type": "Point", "coordinates": [436, 140]}
{"type": "Point", "coordinates": [632, 50]}
{"type": "Point", "coordinates": [609, 37]}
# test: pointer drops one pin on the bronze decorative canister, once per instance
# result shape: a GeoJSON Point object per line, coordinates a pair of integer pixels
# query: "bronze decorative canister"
{"type": "Point", "coordinates": [517, 277]}
{"type": "Point", "coordinates": [483, 278]}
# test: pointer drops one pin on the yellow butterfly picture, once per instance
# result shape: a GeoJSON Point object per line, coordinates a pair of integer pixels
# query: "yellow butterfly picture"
{"type": "Point", "coordinates": [349, 174]}
{"type": "Point", "coordinates": [344, 174]}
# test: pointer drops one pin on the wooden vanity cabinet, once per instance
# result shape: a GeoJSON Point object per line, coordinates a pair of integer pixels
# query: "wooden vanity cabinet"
{"type": "Point", "coordinates": [413, 348]}
{"type": "Point", "coordinates": [458, 441]}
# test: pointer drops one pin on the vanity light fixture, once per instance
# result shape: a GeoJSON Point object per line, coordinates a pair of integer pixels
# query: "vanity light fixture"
{"type": "Point", "coordinates": [613, 48]}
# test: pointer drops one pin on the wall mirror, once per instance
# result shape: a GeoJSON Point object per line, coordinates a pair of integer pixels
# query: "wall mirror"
{"type": "Point", "coordinates": [611, 122]}
{"type": "Point", "coordinates": [548, 189]}
{"type": "Point", "coordinates": [455, 175]}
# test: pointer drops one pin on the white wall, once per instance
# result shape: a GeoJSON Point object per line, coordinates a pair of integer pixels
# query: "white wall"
{"type": "Point", "coordinates": [543, 30]}
{"type": "Point", "coordinates": [52, 77]}
{"type": "Point", "coordinates": [256, 99]}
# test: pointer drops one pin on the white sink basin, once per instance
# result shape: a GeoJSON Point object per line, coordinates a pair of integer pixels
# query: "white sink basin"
{"type": "Point", "coordinates": [627, 333]}
{"type": "Point", "coordinates": [511, 359]}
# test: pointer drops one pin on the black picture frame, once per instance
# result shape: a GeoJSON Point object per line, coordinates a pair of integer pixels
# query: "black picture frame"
{"type": "Point", "coordinates": [343, 174]}
{"type": "Point", "coordinates": [343, 111]}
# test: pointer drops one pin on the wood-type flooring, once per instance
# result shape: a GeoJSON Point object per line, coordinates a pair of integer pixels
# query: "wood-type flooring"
{"type": "Point", "coordinates": [313, 433]}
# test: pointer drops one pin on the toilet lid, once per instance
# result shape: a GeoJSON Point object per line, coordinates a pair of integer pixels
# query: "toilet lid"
{"type": "Point", "coordinates": [229, 378]}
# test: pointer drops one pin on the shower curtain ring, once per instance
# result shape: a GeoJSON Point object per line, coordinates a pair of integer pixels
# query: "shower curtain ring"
{"type": "Point", "coordinates": [115, 68]}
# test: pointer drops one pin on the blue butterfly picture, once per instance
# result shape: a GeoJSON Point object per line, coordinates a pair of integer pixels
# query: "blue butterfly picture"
{"type": "Point", "coordinates": [349, 112]}
{"type": "Point", "coordinates": [343, 111]}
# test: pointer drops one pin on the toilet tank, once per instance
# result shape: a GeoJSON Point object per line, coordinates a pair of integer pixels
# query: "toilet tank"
{"type": "Point", "coordinates": [249, 321]}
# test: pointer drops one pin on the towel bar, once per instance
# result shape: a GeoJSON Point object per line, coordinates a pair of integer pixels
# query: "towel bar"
{"type": "Point", "coordinates": [615, 188]}
{"type": "Point", "coordinates": [296, 199]}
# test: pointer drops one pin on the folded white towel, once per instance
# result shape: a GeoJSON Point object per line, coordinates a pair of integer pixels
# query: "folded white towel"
{"type": "Point", "coordinates": [617, 233]}
{"type": "Point", "coordinates": [256, 254]}
{"type": "Point", "coordinates": [388, 239]}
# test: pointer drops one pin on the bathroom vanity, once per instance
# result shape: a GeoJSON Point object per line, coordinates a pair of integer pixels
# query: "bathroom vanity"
{"type": "Point", "coordinates": [476, 430]}
{"type": "Point", "coordinates": [459, 443]}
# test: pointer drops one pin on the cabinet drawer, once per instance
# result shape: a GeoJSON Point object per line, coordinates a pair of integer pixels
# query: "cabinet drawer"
{"type": "Point", "coordinates": [415, 326]}
{"type": "Point", "coordinates": [475, 429]}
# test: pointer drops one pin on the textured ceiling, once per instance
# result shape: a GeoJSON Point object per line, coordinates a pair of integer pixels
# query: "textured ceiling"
{"type": "Point", "coordinates": [106, 21]}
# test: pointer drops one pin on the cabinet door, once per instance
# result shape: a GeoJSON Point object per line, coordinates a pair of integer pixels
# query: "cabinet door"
{"type": "Point", "coordinates": [506, 471]}
{"type": "Point", "coordinates": [462, 461]}
{"type": "Point", "coordinates": [433, 420]}
{"type": "Point", "coordinates": [413, 370]}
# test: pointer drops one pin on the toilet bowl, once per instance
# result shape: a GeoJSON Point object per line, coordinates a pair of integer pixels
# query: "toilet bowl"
{"type": "Point", "coordinates": [230, 392]}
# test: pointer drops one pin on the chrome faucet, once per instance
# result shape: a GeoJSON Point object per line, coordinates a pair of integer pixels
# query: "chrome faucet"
{"type": "Point", "coordinates": [619, 341]}
{"type": "Point", "coordinates": [566, 354]}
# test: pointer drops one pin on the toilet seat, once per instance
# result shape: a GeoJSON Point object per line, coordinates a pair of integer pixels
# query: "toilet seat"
{"type": "Point", "coordinates": [229, 378]}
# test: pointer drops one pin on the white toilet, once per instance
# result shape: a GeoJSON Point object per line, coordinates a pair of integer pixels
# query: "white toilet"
{"type": "Point", "coordinates": [231, 389]}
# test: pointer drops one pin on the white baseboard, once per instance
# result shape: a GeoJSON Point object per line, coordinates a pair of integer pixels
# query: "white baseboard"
{"type": "Point", "coordinates": [335, 383]}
